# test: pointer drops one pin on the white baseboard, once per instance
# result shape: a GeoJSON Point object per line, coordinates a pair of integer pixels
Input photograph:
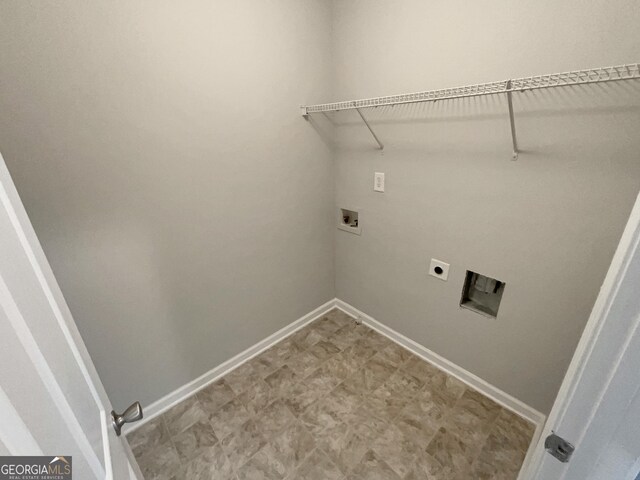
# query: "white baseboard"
{"type": "Point", "coordinates": [504, 399]}
{"type": "Point", "coordinates": [507, 401]}
{"type": "Point", "coordinates": [165, 403]}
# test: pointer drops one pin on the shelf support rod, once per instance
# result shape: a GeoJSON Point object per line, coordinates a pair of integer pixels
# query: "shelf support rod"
{"type": "Point", "coordinates": [514, 138]}
{"type": "Point", "coordinates": [380, 145]}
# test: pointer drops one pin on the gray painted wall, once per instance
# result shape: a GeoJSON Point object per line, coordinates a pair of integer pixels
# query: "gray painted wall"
{"type": "Point", "coordinates": [185, 207]}
{"type": "Point", "coordinates": [117, 119]}
{"type": "Point", "coordinates": [547, 224]}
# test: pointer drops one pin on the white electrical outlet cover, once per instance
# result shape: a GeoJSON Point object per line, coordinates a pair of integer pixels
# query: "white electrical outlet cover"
{"type": "Point", "coordinates": [378, 182]}
{"type": "Point", "coordinates": [439, 269]}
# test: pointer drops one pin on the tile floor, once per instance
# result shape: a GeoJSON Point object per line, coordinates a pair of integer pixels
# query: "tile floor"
{"type": "Point", "coordinates": [334, 401]}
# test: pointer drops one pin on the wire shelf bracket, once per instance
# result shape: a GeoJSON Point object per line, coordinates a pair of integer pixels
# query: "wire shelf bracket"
{"type": "Point", "coordinates": [514, 138]}
{"type": "Point", "coordinates": [617, 73]}
{"type": "Point", "coordinates": [375, 137]}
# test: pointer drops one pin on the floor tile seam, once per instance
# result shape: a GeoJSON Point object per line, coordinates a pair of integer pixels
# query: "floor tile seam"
{"type": "Point", "coordinates": [167, 432]}
{"type": "Point", "coordinates": [476, 450]}
{"type": "Point", "coordinates": [236, 396]}
{"type": "Point", "coordinates": [304, 350]}
{"type": "Point", "coordinates": [209, 412]}
{"type": "Point", "coordinates": [218, 443]}
{"type": "Point", "coordinates": [298, 467]}
{"type": "Point", "coordinates": [455, 404]}
{"type": "Point", "coordinates": [322, 362]}
{"type": "Point", "coordinates": [476, 460]}
{"type": "Point", "coordinates": [173, 445]}
{"type": "Point", "coordinates": [412, 395]}
{"type": "Point", "coordinates": [232, 432]}
{"type": "Point", "coordinates": [426, 443]}
{"type": "Point", "coordinates": [350, 469]}
{"type": "Point", "coordinates": [468, 464]}
{"type": "Point", "coordinates": [449, 415]}
{"type": "Point", "coordinates": [383, 457]}
{"type": "Point", "coordinates": [267, 442]}
{"type": "Point", "coordinates": [330, 459]}
{"type": "Point", "coordinates": [171, 436]}
{"type": "Point", "coordinates": [301, 462]}
{"type": "Point", "coordinates": [243, 464]}
{"type": "Point", "coordinates": [497, 431]}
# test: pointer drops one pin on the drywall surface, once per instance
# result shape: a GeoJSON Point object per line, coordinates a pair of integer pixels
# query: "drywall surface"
{"type": "Point", "coordinates": [546, 224]}
{"type": "Point", "coordinates": [184, 205]}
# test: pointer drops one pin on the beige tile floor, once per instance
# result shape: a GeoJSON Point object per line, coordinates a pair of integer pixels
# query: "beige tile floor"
{"type": "Point", "coordinates": [334, 401]}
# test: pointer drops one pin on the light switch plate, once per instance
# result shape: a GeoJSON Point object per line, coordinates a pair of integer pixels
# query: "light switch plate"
{"type": "Point", "coordinates": [439, 269]}
{"type": "Point", "coordinates": [378, 182]}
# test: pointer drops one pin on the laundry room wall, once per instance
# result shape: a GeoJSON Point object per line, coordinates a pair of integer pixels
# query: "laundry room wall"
{"type": "Point", "coordinates": [183, 203]}
{"type": "Point", "coordinates": [546, 224]}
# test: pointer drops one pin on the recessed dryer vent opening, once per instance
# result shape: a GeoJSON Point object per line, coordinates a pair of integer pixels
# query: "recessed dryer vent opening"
{"type": "Point", "coordinates": [482, 294]}
{"type": "Point", "coordinates": [349, 221]}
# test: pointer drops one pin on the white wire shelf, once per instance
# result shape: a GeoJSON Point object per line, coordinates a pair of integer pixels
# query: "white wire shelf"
{"type": "Point", "coordinates": [565, 79]}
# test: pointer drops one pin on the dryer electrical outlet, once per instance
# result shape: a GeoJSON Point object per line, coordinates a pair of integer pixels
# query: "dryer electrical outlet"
{"type": "Point", "coordinates": [439, 269]}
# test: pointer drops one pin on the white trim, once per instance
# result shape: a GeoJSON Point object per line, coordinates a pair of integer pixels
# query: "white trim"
{"type": "Point", "coordinates": [162, 405]}
{"type": "Point", "coordinates": [14, 434]}
{"type": "Point", "coordinates": [108, 465]}
{"type": "Point", "coordinates": [30, 346]}
{"type": "Point", "coordinates": [504, 399]}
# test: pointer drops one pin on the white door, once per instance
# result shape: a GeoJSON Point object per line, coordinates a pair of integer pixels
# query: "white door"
{"type": "Point", "coordinates": [51, 399]}
{"type": "Point", "coordinates": [598, 407]}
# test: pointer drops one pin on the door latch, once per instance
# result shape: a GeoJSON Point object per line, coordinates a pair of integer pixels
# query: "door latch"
{"type": "Point", "coordinates": [558, 447]}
